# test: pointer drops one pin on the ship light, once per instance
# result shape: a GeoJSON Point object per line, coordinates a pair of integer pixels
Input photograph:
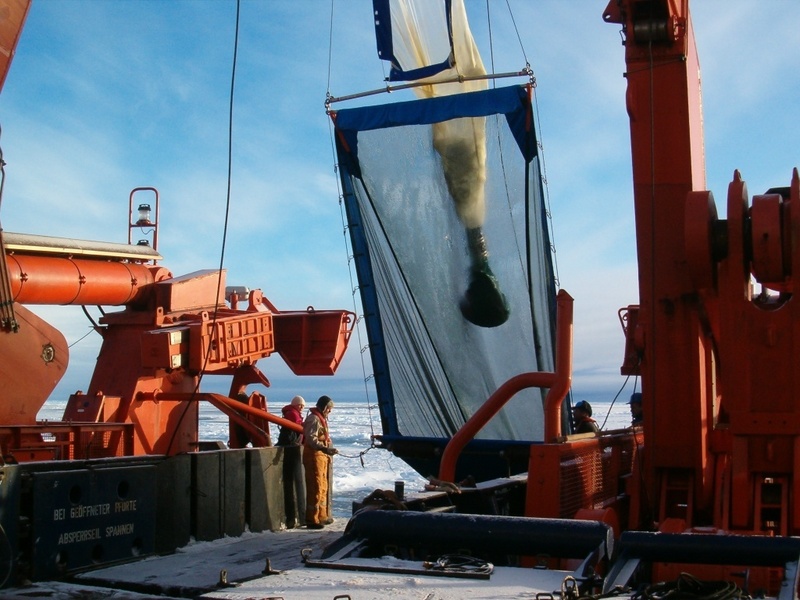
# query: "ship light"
{"type": "Point", "coordinates": [144, 215]}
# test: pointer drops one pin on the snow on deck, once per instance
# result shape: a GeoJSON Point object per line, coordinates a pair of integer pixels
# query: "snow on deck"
{"type": "Point", "coordinates": [196, 571]}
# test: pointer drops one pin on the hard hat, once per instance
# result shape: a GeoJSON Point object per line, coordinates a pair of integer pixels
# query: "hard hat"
{"type": "Point", "coordinates": [585, 407]}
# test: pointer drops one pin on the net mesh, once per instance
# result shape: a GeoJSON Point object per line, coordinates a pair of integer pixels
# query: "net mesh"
{"type": "Point", "coordinates": [433, 367]}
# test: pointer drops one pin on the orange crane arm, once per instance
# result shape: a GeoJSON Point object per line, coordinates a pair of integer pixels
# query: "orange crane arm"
{"type": "Point", "coordinates": [66, 280]}
{"type": "Point", "coordinates": [676, 364]}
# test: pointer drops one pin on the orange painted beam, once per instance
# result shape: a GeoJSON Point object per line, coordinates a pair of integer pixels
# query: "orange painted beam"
{"type": "Point", "coordinates": [63, 280]}
{"type": "Point", "coordinates": [223, 400]}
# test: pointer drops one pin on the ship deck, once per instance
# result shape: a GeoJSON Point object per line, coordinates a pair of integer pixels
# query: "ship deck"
{"type": "Point", "coordinates": [234, 569]}
{"type": "Point", "coordinates": [195, 570]}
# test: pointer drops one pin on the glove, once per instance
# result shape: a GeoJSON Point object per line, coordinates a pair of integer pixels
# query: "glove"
{"type": "Point", "coordinates": [331, 451]}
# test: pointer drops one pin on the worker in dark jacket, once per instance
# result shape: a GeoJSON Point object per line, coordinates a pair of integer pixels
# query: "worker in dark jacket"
{"type": "Point", "coordinates": [582, 420]}
{"type": "Point", "coordinates": [294, 483]}
{"type": "Point", "coordinates": [318, 452]}
{"type": "Point", "coordinates": [635, 403]}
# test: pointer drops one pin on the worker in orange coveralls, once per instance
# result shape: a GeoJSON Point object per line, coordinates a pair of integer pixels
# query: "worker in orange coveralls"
{"type": "Point", "coordinates": [318, 455]}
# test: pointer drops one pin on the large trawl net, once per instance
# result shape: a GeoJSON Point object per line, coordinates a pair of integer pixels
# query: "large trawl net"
{"type": "Point", "coordinates": [453, 258]}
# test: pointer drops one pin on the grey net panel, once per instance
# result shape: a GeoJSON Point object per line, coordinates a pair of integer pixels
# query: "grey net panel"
{"type": "Point", "coordinates": [441, 368]}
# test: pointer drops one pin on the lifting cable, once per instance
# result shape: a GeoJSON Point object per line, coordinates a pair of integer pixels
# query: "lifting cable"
{"type": "Point", "coordinates": [363, 348]}
{"type": "Point", "coordinates": [537, 129]}
{"type": "Point", "coordinates": [213, 322]}
{"type": "Point", "coordinates": [8, 320]}
{"type": "Point", "coordinates": [525, 262]}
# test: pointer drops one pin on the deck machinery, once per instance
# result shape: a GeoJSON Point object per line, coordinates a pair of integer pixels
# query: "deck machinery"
{"type": "Point", "coordinates": [708, 479]}
{"type": "Point", "coordinates": [714, 336]}
{"type": "Point", "coordinates": [710, 476]}
{"type": "Point", "coordinates": [98, 486]}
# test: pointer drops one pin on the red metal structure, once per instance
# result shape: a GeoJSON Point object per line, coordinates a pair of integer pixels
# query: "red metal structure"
{"type": "Point", "coordinates": [714, 338]}
{"type": "Point", "coordinates": [676, 354]}
{"type": "Point", "coordinates": [137, 419]}
{"type": "Point", "coordinates": [718, 356]}
{"type": "Point", "coordinates": [143, 396]}
{"type": "Point", "coordinates": [172, 331]}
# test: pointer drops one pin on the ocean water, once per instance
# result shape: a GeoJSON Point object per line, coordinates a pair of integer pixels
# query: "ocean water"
{"type": "Point", "coordinates": [360, 468]}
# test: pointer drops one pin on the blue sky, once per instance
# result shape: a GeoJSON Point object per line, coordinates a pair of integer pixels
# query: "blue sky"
{"type": "Point", "coordinates": [105, 96]}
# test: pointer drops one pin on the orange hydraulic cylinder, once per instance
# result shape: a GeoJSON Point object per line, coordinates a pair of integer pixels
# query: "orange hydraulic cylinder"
{"type": "Point", "coordinates": [62, 280]}
{"type": "Point", "coordinates": [219, 399]}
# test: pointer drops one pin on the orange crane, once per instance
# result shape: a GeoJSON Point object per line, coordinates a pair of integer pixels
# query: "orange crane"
{"type": "Point", "coordinates": [129, 442]}
{"type": "Point", "coordinates": [710, 476]}
{"type": "Point", "coordinates": [143, 396]}
{"type": "Point", "coordinates": [715, 334]}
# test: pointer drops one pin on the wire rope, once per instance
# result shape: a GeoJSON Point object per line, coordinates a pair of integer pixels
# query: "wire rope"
{"type": "Point", "coordinates": [688, 587]}
{"type": "Point", "coordinates": [516, 30]}
{"type": "Point", "coordinates": [8, 319]}
{"type": "Point", "coordinates": [348, 253]}
{"type": "Point", "coordinates": [80, 339]}
{"type": "Point", "coordinates": [458, 563]}
{"type": "Point", "coordinates": [548, 224]}
{"type": "Point", "coordinates": [214, 316]}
